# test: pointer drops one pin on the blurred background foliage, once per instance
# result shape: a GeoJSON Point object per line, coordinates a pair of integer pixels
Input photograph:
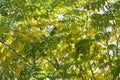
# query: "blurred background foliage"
{"type": "Point", "coordinates": [59, 39]}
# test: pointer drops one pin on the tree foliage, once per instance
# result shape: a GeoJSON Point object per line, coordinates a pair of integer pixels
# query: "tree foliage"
{"type": "Point", "coordinates": [59, 39]}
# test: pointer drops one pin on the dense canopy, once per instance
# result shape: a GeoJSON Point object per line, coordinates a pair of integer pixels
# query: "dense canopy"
{"type": "Point", "coordinates": [59, 39]}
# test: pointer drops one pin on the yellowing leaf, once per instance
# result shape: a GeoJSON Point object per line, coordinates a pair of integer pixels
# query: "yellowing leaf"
{"type": "Point", "coordinates": [0, 44]}
{"type": "Point", "coordinates": [9, 40]}
{"type": "Point", "coordinates": [3, 55]}
{"type": "Point", "coordinates": [34, 22]}
{"type": "Point", "coordinates": [44, 31]}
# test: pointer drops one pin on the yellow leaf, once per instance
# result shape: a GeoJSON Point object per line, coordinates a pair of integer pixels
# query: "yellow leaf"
{"type": "Point", "coordinates": [9, 40]}
{"type": "Point", "coordinates": [34, 22]}
{"type": "Point", "coordinates": [3, 55]}
{"type": "Point", "coordinates": [0, 44]}
{"type": "Point", "coordinates": [44, 31]}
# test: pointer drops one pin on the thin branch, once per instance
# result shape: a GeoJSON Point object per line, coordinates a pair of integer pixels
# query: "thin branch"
{"type": "Point", "coordinates": [52, 64]}
{"type": "Point", "coordinates": [56, 67]}
{"type": "Point", "coordinates": [87, 22]}
{"type": "Point", "coordinates": [116, 37]}
{"type": "Point", "coordinates": [15, 52]}
{"type": "Point", "coordinates": [93, 74]}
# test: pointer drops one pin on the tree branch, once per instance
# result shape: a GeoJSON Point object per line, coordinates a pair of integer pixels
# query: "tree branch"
{"type": "Point", "coordinates": [15, 52]}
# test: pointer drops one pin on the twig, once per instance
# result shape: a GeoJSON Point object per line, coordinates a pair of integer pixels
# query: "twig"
{"type": "Point", "coordinates": [52, 64]}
